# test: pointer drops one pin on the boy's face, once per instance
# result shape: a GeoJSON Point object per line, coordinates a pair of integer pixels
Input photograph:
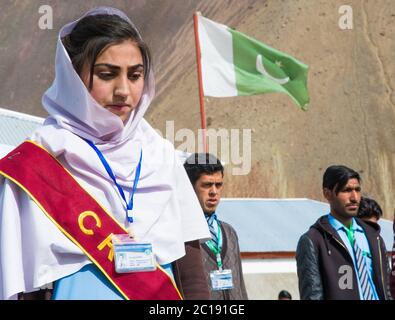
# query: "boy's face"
{"type": "Point", "coordinates": [345, 203]}
{"type": "Point", "coordinates": [208, 189]}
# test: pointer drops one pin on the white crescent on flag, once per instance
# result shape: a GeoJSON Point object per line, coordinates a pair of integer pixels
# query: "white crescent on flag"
{"type": "Point", "coordinates": [261, 68]}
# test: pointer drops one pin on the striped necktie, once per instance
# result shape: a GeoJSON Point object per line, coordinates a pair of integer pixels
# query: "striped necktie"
{"type": "Point", "coordinates": [211, 220]}
{"type": "Point", "coordinates": [367, 291]}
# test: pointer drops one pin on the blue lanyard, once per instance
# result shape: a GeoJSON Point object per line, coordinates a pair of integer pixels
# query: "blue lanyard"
{"type": "Point", "coordinates": [129, 206]}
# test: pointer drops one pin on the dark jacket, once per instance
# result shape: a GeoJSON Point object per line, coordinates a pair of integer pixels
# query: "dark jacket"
{"type": "Point", "coordinates": [325, 267]}
{"type": "Point", "coordinates": [392, 274]}
{"type": "Point", "coordinates": [231, 259]}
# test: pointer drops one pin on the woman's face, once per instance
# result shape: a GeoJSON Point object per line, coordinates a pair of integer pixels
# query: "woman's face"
{"type": "Point", "coordinates": [118, 78]}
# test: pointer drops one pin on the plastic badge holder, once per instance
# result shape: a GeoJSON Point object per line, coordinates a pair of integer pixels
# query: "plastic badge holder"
{"type": "Point", "coordinates": [221, 280]}
{"type": "Point", "coordinates": [131, 255]}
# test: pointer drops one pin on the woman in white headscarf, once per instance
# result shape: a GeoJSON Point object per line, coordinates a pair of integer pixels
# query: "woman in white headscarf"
{"type": "Point", "coordinates": [103, 86]}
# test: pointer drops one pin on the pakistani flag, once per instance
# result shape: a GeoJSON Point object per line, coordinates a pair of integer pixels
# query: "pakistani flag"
{"type": "Point", "coordinates": [234, 64]}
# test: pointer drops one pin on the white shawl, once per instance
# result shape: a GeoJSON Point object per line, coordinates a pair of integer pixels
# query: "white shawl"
{"type": "Point", "coordinates": [33, 252]}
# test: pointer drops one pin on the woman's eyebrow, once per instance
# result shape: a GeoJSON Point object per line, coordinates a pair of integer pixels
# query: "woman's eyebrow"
{"type": "Point", "coordinates": [110, 66]}
{"type": "Point", "coordinates": [114, 67]}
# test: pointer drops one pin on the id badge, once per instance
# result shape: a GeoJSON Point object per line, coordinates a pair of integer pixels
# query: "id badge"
{"type": "Point", "coordinates": [132, 256]}
{"type": "Point", "coordinates": [221, 280]}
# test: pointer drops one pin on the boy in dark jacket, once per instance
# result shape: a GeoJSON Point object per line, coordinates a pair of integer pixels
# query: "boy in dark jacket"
{"type": "Point", "coordinates": [341, 256]}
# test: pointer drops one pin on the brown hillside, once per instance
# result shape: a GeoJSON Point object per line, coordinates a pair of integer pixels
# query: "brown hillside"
{"type": "Point", "coordinates": [351, 115]}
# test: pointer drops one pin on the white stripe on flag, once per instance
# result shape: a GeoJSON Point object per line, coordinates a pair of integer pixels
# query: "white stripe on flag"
{"type": "Point", "coordinates": [216, 46]}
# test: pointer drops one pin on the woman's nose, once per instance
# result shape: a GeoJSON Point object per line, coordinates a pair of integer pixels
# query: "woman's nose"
{"type": "Point", "coordinates": [122, 87]}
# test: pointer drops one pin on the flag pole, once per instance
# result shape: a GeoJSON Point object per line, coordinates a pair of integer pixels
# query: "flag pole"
{"type": "Point", "coordinates": [199, 71]}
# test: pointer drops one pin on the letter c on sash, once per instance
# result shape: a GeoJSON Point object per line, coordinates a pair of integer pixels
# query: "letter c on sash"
{"type": "Point", "coordinates": [81, 218]}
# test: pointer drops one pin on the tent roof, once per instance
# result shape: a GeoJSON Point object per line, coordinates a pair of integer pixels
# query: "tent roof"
{"type": "Point", "coordinates": [275, 225]}
{"type": "Point", "coordinates": [16, 127]}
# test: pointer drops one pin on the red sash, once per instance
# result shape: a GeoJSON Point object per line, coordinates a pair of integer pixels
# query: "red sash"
{"type": "Point", "coordinates": [81, 219]}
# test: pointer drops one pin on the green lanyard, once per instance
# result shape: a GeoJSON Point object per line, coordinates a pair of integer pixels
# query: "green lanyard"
{"type": "Point", "coordinates": [217, 250]}
{"type": "Point", "coordinates": [351, 237]}
{"type": "Point", "coordinates": [350, 234]}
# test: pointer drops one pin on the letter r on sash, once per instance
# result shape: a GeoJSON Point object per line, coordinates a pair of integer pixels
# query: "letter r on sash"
{"type": "Point", "coordinates": [81, 218]}
{"type": "Point", "coordinates": [107, 243]}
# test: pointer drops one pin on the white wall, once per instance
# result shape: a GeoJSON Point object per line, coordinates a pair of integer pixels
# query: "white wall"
{"type": "Point", "coordinates": [265, 278]}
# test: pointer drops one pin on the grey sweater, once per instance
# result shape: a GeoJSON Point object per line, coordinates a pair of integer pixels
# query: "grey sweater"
{"type": "Point", "coordinates": [230, 255]}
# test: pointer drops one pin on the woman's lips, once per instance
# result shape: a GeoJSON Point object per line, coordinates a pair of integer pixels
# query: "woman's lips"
{"type": "Point", "coordinates": [118, 106]}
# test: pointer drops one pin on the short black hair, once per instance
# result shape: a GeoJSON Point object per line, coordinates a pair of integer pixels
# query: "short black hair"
{"type": "Point", "coordinates": [284, 294]}
{"type": "Point", "coordinates": [337, 176]}
{"type": "Point", "coordinates": [202, 163]}
{"type": "Point", "coordinates": [368, 208]}
{"type": "Point", "coordinates": [94, 33]}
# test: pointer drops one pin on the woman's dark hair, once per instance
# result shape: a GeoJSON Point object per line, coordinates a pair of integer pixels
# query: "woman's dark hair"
{"type": "Point", "coordinates": [94, 33]}
{"type": "Point", "coordinates": [336, 177]}
{"type": "Point", "coordinates": [202, 163]}
{"type": "Point", "coordinates": [368, 208]}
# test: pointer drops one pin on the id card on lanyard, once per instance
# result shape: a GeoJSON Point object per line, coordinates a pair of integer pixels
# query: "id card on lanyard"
{"type": "Point", "coordinates": [221, 279]}
{"type": "Point", "coordinates": [130, 255]}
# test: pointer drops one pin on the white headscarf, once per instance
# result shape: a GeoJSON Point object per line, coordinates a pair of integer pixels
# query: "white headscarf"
{"type": "Point", "coordinates": [71, 106]}
{"type": "Point", "coordinates": [166, 211]}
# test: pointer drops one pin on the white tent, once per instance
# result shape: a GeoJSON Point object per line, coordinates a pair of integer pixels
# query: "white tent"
{"type": "Point", "coordinates": [15, 127]}
{"type": "Point", "coordinates": [4, 149]}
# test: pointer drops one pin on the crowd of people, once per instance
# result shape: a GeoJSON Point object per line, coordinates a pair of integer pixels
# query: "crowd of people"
{"type": "Point", "coordinates": [96, 205]}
